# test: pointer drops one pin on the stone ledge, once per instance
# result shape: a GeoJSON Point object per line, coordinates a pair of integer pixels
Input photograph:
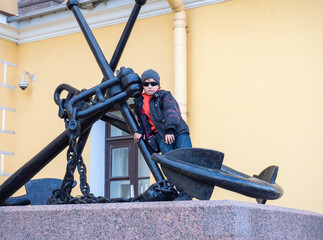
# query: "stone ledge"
{"type": "Point", "coordinates": [160, 220]}
{"type": "Point", "coordinates": [25, 6]}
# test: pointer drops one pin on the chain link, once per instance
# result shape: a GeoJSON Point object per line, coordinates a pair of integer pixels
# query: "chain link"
{"type": "Point", "coordinates": [84, 186]}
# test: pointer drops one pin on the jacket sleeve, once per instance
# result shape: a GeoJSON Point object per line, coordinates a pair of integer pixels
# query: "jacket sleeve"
{"type": "Point", "coordinates": [172, 113]}
{"type": "Point", "coordinates": [141, 128]}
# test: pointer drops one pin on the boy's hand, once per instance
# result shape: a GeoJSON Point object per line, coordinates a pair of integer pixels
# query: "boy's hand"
{"type": "Point", "coordinates": [137, 137]}
{"type": "Point", "coordinates": [169, 138]}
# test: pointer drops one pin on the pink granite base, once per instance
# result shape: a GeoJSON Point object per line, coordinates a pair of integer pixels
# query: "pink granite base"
{"type": "Point", "coordinates": [160, 220]}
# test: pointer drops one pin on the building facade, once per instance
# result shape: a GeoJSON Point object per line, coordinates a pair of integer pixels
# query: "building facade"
{"type": "Point", "coordinates": [253, 87]}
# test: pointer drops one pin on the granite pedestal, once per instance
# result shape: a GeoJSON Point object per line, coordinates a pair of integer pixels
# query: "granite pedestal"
{"type": "Point", "coordinates": [160, 220]}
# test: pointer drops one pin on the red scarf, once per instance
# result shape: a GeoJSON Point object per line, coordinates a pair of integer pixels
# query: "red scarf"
{"type": "Point", "coordinates": [145, 110]}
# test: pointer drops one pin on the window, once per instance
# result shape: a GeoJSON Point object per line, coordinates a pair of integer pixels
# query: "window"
{"type": "Point", "coordinates": [126, 174]}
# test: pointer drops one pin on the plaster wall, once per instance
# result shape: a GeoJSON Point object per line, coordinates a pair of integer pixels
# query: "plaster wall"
{"type": "Point", "coordinates": [8, 76]}
{"type": "Point", "coordinates": [255, 91]}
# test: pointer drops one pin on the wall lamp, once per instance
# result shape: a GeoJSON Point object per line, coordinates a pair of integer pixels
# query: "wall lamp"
{"type": "Point", "coordinates": [23, 84]}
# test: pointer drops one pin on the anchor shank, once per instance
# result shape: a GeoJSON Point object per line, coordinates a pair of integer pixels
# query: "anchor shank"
{"type": "Point", "coordinates": [96, 50]}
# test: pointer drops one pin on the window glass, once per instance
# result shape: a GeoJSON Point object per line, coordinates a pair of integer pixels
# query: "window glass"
{"type": "Point", "coordinates": [120, 189]}
{"type": "Point", "coordinates": [143, 184]}
{"type": "Point", "coordinates": [116, 132]}
{"type": "Point", "coordinates": [120, 162]}
{"type": "Point", "coordinates": [143, 169]}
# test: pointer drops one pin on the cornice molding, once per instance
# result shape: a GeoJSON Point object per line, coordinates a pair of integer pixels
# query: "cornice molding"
{"type": "Point", "coordinates": [7, 32]}
{"type": "Point", "coordinates": [63, 22]}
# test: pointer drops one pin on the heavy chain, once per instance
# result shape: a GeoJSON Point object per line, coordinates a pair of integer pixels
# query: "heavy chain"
{"type": "Point", "coordinates": [160, 191]}
{"type": "Point", "coordinates": [74, 159]}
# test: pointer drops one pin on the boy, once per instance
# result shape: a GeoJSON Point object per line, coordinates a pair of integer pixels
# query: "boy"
{"type": "Point", "coordinates": [159, 117]}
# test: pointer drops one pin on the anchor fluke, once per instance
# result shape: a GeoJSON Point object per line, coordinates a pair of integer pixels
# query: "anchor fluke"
{"type": "Point", "coordinates": [175, 162]}
{"type": "Point", "coordinates": [196, 171]}
{"type": "Point", "coordinates": [269, 175]}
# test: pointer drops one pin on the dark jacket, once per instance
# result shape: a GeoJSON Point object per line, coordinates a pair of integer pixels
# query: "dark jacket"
{"type": "Point", "coordinates": [165, 113]}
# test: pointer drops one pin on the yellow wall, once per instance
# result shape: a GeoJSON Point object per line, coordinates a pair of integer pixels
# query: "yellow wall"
{"type": "Point", "coordinates": [255, 91]}
{"type": "Point", "coordinates": [8, 53]}
{"type": "Point", "coordinates": [10, 6]}
{"type": "Point", "coordinates": [254, 87]}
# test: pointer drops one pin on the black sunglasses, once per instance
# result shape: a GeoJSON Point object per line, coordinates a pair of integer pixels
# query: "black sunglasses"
{"type": "Point", "coordinates": [153, 84]}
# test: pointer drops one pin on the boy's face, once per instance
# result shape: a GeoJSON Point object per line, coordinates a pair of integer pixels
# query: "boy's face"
{"type": "Point", "coordinates": [148, 88]}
